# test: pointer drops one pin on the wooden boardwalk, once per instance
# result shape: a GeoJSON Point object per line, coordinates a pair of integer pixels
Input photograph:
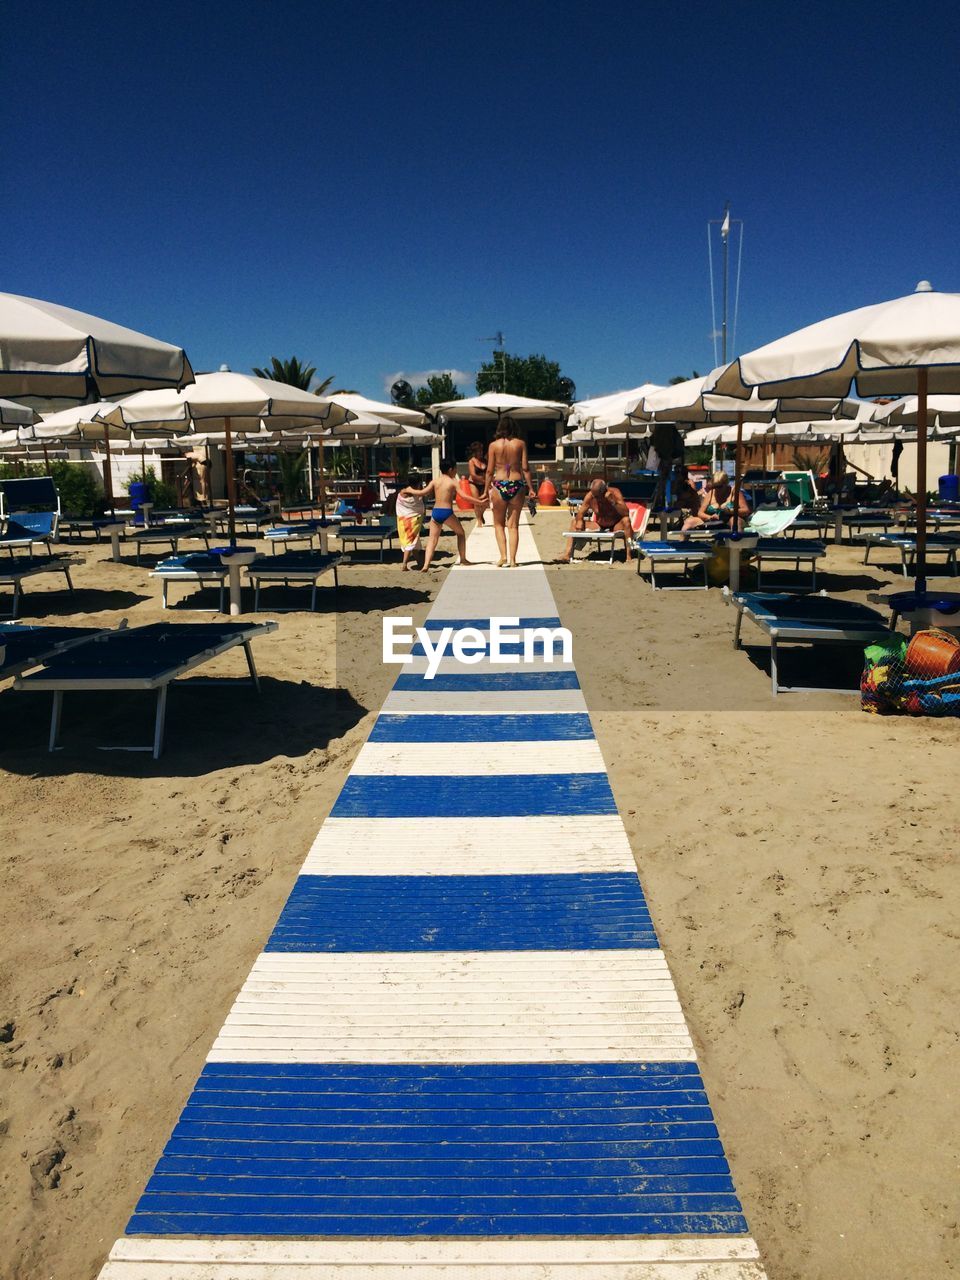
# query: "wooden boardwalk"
{"type": "Point", "coordinates": [460, 1054]}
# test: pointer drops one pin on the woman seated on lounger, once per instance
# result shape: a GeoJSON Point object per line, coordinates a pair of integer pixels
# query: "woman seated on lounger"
{"type": "Point", "coordinates": [717, 504]}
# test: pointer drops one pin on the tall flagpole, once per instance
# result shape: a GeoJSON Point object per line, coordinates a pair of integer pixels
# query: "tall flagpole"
{"type": "Point", "coordinates": [725, 238]}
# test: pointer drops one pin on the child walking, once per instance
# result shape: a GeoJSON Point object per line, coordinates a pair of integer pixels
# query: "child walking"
{"type": "Point", "coordinates": [444, 491]}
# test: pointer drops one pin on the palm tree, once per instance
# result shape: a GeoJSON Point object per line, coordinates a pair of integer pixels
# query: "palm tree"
{"type": "Point", "coordinates": [295, 374]}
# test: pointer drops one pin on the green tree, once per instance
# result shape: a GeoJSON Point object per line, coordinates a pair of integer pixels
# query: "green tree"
{"type": "Point", "coordinates": [532, 375]}
{"type": "Point", "coordinates": [295, 374]}
{"type": "Point", "coordinates": [684, 377]}
{"type": "Point", "coordinates": [438, 388]}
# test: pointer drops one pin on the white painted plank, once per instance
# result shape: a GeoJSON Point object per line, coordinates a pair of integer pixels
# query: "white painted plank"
{"type": "Point", "coordinates": [480, 759]}
{"type": "Point", "coordinates": [459, 846]}
{"type": "Point", "coordinates": [456, 1271]}
{"type": "Point", "coordinates": [431, 1253]}
{"type": "Point", "coordinates": [517, 1006]}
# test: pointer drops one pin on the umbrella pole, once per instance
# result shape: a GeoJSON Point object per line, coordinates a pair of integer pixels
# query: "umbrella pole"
{"type": "Point", "coordinates": [108, 474]}
{"type": "Point", "coordinates": [231, 483]}
{"type": "Point", "coordinates": [921, 560]}
{"type": "Point", "coordinates": [323, 481]}
{"type": "Point", "coordinates": [738, 472]}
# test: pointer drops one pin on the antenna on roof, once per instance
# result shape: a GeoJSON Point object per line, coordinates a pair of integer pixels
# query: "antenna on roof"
{"type": "Point", "coordinates": [498, 340]}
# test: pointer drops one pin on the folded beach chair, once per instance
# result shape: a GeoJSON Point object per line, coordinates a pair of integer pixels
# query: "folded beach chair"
{"type": "Point", "coordinates": [293, 566]}
{"type": "Point", "coordinates": [381, 534]}
{"type": "Point", "coordinates": [14, 569]}
{"type": "Point", "coordinates": [192, 566]}
{"type": "Point", "coordinates": [26, 528]}
{"type": "Point", "coordinates": [938, 544]}
{"type": "Point", "coordinates": [141, 658]}
{"type": "Point", "coordinates": [639, 517]}
{"type": "Point", "coordinates": [811, 620]}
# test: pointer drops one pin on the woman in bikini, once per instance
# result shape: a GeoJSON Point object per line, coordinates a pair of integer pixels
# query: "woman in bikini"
{"type": "Point", "coordinates": [717, 504]}
{"type": "Point", "coordinates": [477, 476]}
{"type": "Point", "coordinates": [508, 481]}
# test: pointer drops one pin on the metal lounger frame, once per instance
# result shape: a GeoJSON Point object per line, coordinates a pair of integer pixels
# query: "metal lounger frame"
{"type": "Point", "coordinates": [275, 572]}
{"type": "Point", "coordinates": [160, 683]}
{"type": "Point", "coordinates": [599, 536]}
{"type": "Point", "coordinates": [193, 575]}
{"type": "Point", "coordinates": [683, 555]}
{"type": "Point", "coordinates": [908, 552]}
{"type": "Point", "coordinates": [56, 566]}
{"type": "Point", "coordinates": [825, 633]}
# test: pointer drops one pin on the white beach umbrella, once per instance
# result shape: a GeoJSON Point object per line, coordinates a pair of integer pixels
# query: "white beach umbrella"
{"type": "Point", "coordinates": [17, 415]}
{"type": "Point", "coordinates": [228, 402]}
{"type": "Point", "coordinates": [609, 413]}
{"type": "Point", "coordinates": [83, 423]}
{"type": "Point", "coordinates": [942, 411]}
{"type": "Point", "coordinates": [51, 351]}
{"type": "Point", "coordinates": [358, 404]}
{"type": "Point", "coordinates": [497, 404]}
{"type": "Point", "coordinates": [910, 344]}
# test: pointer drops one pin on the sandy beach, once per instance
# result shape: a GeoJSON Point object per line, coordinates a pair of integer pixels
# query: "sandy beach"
{"type": "Point", "coordinates": [810, 933]}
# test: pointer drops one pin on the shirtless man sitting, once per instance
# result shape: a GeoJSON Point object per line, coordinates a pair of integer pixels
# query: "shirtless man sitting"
{"type": "Point", "coordinates": [604, 508]}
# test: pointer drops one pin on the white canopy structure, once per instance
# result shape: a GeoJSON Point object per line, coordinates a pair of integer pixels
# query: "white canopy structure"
{"type": "Point", "coordinates": [55, 352]}
{"type": "Point", "coordinates": [942, 411]}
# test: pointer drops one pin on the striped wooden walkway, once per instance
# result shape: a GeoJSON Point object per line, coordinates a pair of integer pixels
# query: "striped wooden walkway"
{"type": "Point", "coordinates": [460, 1054]}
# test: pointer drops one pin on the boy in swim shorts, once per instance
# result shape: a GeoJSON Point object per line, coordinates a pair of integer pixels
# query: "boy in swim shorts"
{"type": "Point", "coordinates": [444, 491]}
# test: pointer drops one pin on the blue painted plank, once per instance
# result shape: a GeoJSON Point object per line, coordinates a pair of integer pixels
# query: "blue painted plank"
{"type": "Point", "coordinates": [377, 1185]}
{"type": "Point", "coordinates": [483, 624]}
{"type": "Point", "coordinates": [420, 1133]}
{"type": "Point", "coordinates": [320, 1121]}
{"type": "Point", "coordinates": [433, 796]}
{"type": "Point", "coordinates": [425, 1224]}
{"type": "Point", "coordinates": [518, 728]}
{"type": "Point", "coordinates": [544, 1149]}
{"type": "Point", "coordinates": [446, 1167]}
{"type": "Point", "coordinates": [490, 682]}
{"type": "Point", "coordinates": [577, 912]}
{"type": "Point", "coordinates": [466, 1103]}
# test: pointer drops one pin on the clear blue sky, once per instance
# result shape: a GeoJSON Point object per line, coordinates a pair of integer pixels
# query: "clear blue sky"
{"type": "Point", "coordinates": [376, 187]}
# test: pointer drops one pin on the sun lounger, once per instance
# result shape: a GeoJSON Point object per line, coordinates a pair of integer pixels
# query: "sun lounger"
{"type": "Point", "coordinates": [24, 529]}
{"type": "Point", "coordinates": [793, 619]}
{"type": "Point", "coordinates": [295, 531]}
{"type": "Point", "coordinates": [23, 647]}
{"type": "Point", "coordinates": [379, 535]}
{"type": "Point", "coordinates": [863, 520]}
{"type": "Point", "coordinates": [938, 544]}
{"type": "Point", "coordinates": [141, 658]}
{"type": "Point", "coordinates": [71, 526]}
{"type": "Point", "coordinates": [192, 566]}
{"type": "Point", "coordinates": [292, 566]}
{"type": "Point", "coordinates": [784, 551]}
{"type": "Point", "coordinates": [15, 569]}
{"type": "Point", "coordinates": [170, 535]}
{"type": "Point", "coordinates": [687, 555]}
{"type": "Point", "coordinates": [639, 518]}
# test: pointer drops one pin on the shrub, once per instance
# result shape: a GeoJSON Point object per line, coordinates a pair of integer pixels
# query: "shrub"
{"type": "Point", "coordinates": [162, 495]}
{"type": "Point", "coordinates": [80, 494]}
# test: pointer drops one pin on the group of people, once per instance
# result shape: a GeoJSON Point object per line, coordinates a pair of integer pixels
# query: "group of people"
{"type": "Point", "coordinates": [499, 483]}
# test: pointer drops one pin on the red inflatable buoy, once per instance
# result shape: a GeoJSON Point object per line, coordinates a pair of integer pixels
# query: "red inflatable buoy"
{"type": "Point", "coordinates": [547, 493]}
{"type": "Point", "coordinates": [462, 503]}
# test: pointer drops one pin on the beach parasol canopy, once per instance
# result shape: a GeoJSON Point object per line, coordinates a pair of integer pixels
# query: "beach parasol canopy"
{"type": "Point", "coordinates": [942, 411]}
{"type": "Point", "coordinates": [51, 351]}
{"type": "Point", "coordinates": [892, 348]}
{"type": "Point", "coordinates": [609, 413]}
{"type": "Point", "coordinates": [358, 404]}
{"type": "Point", "coordinates": [497, 404]}
{"type": "Point", "coordinates": [17, 415]}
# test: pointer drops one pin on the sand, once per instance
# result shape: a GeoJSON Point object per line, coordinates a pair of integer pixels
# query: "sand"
{"type": "Point", "coordinates": [797, 856]}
